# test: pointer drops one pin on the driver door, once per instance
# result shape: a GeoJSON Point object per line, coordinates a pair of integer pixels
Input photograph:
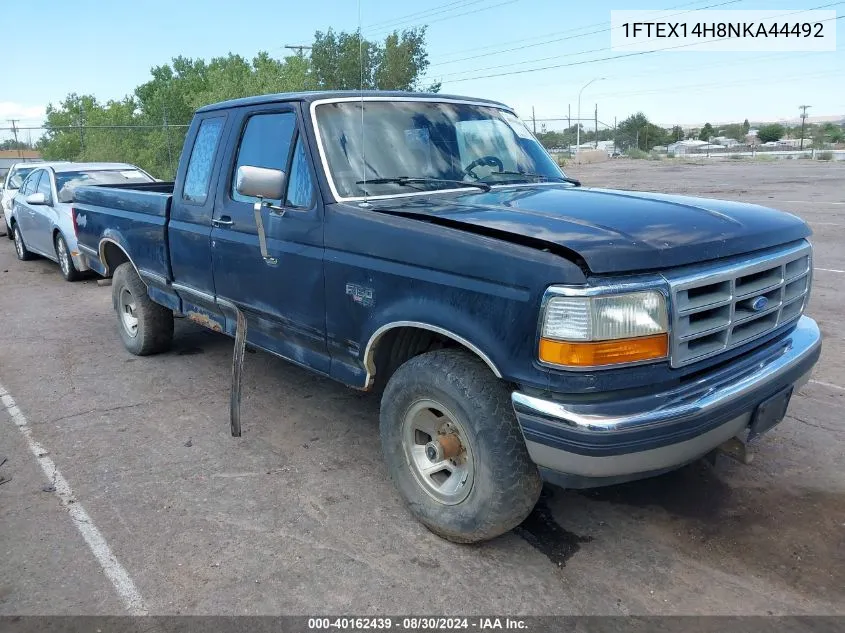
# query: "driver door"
{"type": "Point", "coordinates": [42, 216]}
{"type": "Point", "coordinates": [23, 213]}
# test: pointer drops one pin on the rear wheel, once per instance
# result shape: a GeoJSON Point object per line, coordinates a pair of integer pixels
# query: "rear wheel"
{"type": "Point", "coordinates": [454, 448]}
{"type": "Point", "coordinates": [69, 271]}
{"type": "Point", "coordinates": [20, 247]}
{"type": "Point", "coordinates": [144, 326]}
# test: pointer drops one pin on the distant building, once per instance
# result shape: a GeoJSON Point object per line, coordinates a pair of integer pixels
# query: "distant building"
{"type": "Point", "coordinates": [687, 147]}
{"type": "Point", "coordinates": [725, 141]}
{"type": "Point", "coordinates": [794, 142]}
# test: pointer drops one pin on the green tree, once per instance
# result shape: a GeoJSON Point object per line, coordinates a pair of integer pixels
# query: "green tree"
{"type": "Point", "coordinates": [770, 132]}
{"type": "Point", "coordinates": [746, 126]}
{"type": "Point", "coordinates": [637, 131]}
{"type": "Point", "coordinates": [706, 133]}
{"type": "Point", "coordinates": [148, 127]}
{"type": "Point", "coordinates": [346, 61]}
{"type": "Point", "coordinates": [735, 131]}
{"type": "Point", "coordinates": [12, 144]}
{"type": "Point", "coordinates": [832, 133]}
{"type": "Point", "coordinates": [677, 134]}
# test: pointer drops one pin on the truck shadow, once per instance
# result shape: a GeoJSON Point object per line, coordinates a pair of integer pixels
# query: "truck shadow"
{"type": "Point", "coordinates": [745, 521]}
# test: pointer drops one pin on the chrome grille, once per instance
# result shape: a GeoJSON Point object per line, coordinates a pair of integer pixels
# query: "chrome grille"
{"type": "Point", "coordinates": [714, 310]}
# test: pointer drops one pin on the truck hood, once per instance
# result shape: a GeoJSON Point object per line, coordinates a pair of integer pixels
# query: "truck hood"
{"type": "Point", "coordinates": [612, 231]}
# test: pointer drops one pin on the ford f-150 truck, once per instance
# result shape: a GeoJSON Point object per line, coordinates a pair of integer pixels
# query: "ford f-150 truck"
{"type": "Point", "coordinates": [518, 326]}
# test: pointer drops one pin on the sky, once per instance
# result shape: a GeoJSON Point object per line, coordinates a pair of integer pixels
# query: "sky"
{"type": "Point", "coordinates": [107, 48]}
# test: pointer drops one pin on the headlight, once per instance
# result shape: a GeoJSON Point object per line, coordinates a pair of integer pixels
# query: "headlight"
{"type": "Point", "coordinates": [604, 330]}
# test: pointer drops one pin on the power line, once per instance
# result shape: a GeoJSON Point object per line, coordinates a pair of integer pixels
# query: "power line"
{"type": "Point", "coordinates": [565, 55]}
{"type": "Point", "coordinates": [449, 6]}
{"type": "Point", "coordinates": [650, 71]}
{"type": "Point", "coordinates": [448, 17]}
{"type": "Point", "coordinates": [739, 82]}
{"type": "Point", "coordinates": [612, 57]}
{"type": "Point", "coordinates": [572, 37]}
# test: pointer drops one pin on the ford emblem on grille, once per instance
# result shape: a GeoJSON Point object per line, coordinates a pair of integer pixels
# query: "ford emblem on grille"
{"type": "Point", "coordinates": [759, 304]}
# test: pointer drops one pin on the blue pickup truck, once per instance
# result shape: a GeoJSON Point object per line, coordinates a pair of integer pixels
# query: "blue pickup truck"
{"type": "Point", "coordinates": [518, 326]}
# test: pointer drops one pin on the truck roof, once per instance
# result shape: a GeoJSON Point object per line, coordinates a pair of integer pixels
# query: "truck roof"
{"type": "Point", "coordinates": [337, 94]}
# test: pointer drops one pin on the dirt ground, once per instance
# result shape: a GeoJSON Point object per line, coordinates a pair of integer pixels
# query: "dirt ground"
{"type": "Point", "coordinates": [298, 515]}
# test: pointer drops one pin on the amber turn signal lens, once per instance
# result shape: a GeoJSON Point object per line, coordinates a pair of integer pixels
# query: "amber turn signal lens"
{"type": "Point", "coordinates": [597, 353]}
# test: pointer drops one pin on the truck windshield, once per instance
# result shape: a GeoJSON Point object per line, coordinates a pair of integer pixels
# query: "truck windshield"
{"type": "Point", "coordinates": [68, 181]}
{"type": "Point", "coordinates": [437, 142]}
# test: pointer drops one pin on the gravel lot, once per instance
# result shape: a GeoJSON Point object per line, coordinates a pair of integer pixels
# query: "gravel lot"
{"type": "Point", "coordinates": [298, 516]}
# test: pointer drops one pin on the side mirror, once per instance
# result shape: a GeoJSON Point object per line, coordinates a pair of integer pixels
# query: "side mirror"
{"type": "Point", "coordinates": [36, 199]}
{"type": "Point", "coordinates": [260, 182]}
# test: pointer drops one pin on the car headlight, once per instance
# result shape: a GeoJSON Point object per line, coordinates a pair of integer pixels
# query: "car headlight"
{"type": "Point", "coordinates": [604, 330]}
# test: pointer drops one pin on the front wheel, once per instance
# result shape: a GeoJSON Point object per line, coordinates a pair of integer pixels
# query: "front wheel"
{"type": "Point", "coordinates": [144, 326]}
{"type": "Point", "coordinates": [454, 448]}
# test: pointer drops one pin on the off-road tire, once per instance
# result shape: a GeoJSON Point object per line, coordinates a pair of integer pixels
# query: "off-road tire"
{"type": "Point", "coordinates": [506, 483]}
{"type": "Point", "coordinates": [155, 323]}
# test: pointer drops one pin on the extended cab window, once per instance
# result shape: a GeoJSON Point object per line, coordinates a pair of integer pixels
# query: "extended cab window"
{"type": "Point", "coordinates": [266, 143]}
{"type": "Point", "coordinates": [202, 161]}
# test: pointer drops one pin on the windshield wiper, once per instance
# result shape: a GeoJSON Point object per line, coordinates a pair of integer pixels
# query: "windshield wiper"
{"type": "Point", "coordinates": [409, 182]}
{"type": "Point", "coordinates": [527, 174]}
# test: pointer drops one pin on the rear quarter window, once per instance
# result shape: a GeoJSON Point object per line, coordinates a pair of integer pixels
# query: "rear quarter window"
{"type": "Point", "coordinates": [201, 163]}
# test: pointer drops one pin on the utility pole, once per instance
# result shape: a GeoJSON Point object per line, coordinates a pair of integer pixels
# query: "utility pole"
{"type": "Point", "coordinates": [81, 128]}
{"type": "Point", "coordinates": [534, 120]}
{"type": "Point", "coordinates": [167, 137]}
{"type": "Point", "coordinates": [597, 126]}
{"type": "Point", "coordinates": [15, 134]}
{"type": "Point", "coordinates": [614, 134]}
{"type": "Point", "coordinates": [803, 120]}
{"type": "Point", "coordinates": [302, 47]}
{"type": "Point", "coordinates": [568, 128]}
{"type": "Point", "coordinates": [298, 48]}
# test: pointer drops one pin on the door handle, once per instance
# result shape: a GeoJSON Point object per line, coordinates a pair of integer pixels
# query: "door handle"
{"type": "Point", "coordinates": [223, 220]}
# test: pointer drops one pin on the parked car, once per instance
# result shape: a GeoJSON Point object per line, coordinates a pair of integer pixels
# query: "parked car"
{"type": "Point", "coordinates": [14, 179]}
{"type": "Point", "coordinates": [40, 219]}
{"type": "Point", "coordinates": [520, 327]}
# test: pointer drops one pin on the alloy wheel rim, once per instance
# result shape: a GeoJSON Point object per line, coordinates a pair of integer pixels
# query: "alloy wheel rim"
{"type": "Point", "coordinates": [63, 261]}
{"type": "Point", "coordinates": [18, 242]}
{"type": "Point", "coordinates": [128, 310]}
{"type": "Point", "coordinates": [438, 451]}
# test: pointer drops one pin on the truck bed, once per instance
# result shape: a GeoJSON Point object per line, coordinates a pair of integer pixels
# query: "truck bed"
{"type": "Point", "coordinates": [133, 216]}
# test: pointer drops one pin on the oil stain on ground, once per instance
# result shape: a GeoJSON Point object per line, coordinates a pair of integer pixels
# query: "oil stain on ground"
{"type": "Point", "coordinates": [542, 532]}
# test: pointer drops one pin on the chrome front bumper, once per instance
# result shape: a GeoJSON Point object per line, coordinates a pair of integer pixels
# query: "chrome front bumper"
{"type": "Point", "coordinates": [584, 441]}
